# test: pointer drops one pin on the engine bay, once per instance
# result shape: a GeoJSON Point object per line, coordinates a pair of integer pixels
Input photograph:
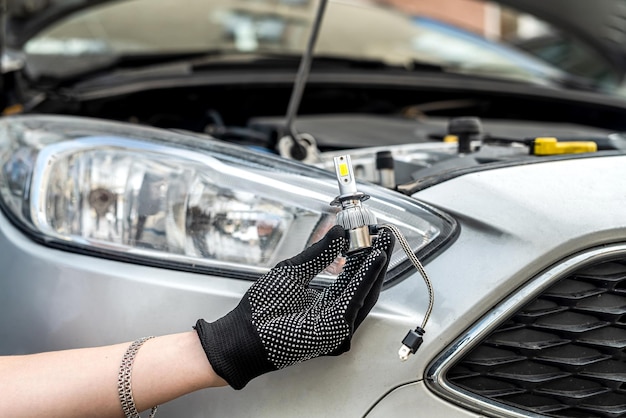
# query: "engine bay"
{"type": "Point", "coordinates": [365, 119]}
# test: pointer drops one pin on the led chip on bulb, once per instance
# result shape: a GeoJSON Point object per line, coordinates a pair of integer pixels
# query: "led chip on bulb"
{"type": "Point", "coordinates": [344, 171]}
{"type": "Point", "coordinates": [345, 175]}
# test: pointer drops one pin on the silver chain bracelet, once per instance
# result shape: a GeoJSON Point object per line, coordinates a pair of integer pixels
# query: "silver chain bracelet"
{"type": "Point", "coordinates": [124, 388]}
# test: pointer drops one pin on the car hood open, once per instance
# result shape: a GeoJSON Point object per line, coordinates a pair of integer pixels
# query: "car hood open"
{"type": "Point", "coordinates": [26, 18]}
{"type": "Point", "coordinates": [601, 23]}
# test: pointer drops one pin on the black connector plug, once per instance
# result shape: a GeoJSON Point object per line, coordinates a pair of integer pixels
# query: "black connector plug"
{"type": "Point", "coordinates": [410, 343]}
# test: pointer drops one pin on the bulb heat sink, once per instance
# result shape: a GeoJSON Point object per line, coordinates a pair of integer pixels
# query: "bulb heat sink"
{"type": "Point", "coordinates": [353, 217]}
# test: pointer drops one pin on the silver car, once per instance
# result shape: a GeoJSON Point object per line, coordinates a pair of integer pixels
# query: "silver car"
{"type": "Point", "coordinates": [149, 174]}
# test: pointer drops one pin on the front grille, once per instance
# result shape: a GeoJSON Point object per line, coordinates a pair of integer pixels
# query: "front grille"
{"type": "Point", "coordinates": [561, 355]}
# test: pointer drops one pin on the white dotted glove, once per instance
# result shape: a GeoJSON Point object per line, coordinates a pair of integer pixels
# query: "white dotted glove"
{"type": "Point", "coordinates": [281, 321]}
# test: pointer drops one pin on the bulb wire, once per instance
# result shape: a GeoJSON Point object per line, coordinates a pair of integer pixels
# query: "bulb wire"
{"type": "Point", "coordinates": [418, 265]}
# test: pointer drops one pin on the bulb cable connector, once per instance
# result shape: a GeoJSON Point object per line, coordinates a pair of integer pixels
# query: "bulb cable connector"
{"type": "Point", "coordinates": [360, 225]}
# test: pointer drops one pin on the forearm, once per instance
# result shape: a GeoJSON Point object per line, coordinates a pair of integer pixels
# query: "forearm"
{"type": "Point", "coordinates": [83, 382]}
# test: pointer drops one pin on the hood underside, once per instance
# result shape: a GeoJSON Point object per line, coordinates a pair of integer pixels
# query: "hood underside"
{"type": "Point", "coordinates": [601, 23]}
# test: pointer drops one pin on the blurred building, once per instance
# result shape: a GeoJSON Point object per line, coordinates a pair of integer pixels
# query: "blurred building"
{"type": "Point", "coordinates": [482, 17]}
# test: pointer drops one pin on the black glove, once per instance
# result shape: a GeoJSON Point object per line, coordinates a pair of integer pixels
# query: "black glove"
{"type": "Point", "coordinates": [281, 321]}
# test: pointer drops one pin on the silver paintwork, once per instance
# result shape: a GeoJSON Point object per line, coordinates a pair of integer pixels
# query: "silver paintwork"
{"type": "Point", "coordinates": [515, 223]}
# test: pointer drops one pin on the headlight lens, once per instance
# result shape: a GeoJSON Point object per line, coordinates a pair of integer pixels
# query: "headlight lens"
{"type": "Point", "coordinates": [131, 194]}
{"type": "Point", "coordinates": [157, 197]}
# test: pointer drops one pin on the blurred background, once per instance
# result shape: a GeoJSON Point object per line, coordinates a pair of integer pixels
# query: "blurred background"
{"type": "Point", "coordinates": [484, 33]}
{"type": "Point", "coordinates": [484, 18]}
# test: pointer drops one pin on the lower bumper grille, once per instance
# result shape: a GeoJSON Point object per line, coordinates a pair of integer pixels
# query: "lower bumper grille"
{"type": "Point", "coordinates": [563, 354]}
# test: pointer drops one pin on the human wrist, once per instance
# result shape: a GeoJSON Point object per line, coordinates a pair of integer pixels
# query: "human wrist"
{"type": "Point", "coordinates": [170, 366]}
{"type": "Point", "coordinates": [206, 375]}
{"type": "Point", "coordinates": [233, 347]}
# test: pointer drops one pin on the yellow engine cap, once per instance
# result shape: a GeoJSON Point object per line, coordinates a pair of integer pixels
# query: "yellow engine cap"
{"type": "Point", "coordinates": [551, 146]}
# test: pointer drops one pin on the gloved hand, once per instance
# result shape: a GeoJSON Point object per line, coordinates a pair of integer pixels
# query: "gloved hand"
{"type": "Point", "coordinates": [280, 321]}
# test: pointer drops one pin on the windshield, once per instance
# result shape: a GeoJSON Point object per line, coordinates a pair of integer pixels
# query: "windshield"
{"type": "Point", "coordinates": [351, 29]}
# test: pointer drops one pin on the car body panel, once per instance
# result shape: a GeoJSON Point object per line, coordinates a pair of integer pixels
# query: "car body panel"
{"type": "Point", "coordinates": [516, 220]}
{"type": "Point", "coordinates": [416, 400]}
{"type": "Point", "coordinates": [503, 244]}
{"type": "Point", "coordinates": [73, 294]}
{"type": "Point", "coordinates": [70, 306]}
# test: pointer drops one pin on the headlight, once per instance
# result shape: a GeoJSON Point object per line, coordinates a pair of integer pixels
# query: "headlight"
{"type": "Point", "coordinates": [162, 198]}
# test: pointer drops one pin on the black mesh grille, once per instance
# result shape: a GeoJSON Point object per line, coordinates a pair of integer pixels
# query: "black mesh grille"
{"type": "Point", "coordinates": [563, 354]}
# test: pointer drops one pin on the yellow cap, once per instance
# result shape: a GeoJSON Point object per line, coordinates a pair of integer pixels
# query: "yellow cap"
{"type": "Point", "coordinates": [12, 110]}
{"type": "Point", "coordinates": [551, 146]}
{"type": "Point", "coordinates": [450, 138]}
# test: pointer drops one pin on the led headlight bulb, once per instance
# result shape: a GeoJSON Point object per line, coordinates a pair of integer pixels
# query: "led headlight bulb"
{"type": "Point", "coordinates": [355, 218]}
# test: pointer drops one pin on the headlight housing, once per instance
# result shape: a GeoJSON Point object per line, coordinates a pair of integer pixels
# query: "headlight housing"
{"type": "Point", "coordinates": [179, 201]}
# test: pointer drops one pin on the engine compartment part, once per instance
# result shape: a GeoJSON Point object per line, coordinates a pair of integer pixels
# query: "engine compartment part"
{"type": "Point", "coordinates": [338, 114]}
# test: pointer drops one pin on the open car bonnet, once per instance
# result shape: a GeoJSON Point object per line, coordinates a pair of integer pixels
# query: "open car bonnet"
{"type": "Point", "coordinates": [26, 18]}
{"type": "Point", "coordinates": [601, 24]}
